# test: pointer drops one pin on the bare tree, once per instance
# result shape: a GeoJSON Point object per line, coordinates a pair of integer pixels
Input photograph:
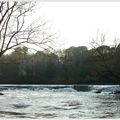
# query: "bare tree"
{"type": "Point", "coordinates": [102, 50]}
{"type": "Point", "coordinates": [15, 30]}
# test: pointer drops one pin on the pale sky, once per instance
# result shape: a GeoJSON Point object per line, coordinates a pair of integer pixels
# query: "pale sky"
{"type": "Point", "coordinates": [77, 22]}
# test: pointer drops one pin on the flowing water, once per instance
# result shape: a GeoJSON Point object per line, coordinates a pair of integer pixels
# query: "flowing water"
{"type": "Point", "coordinates": [54, 102]}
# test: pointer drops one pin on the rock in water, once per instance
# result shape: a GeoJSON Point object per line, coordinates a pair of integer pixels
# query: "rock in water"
{"type": "Point", "coordinates": [98, 91]}
{"type": "Point", "coordinates": [1, 94]}
{"type": "Point", "coordinates": [117, 92]}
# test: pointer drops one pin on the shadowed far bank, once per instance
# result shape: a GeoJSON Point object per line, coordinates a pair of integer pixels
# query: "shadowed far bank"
{"type": "Point", "coordinates": [75, 65]}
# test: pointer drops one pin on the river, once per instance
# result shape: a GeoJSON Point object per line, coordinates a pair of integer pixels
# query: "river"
{"type": "Point", "coordinates": [54, 102]}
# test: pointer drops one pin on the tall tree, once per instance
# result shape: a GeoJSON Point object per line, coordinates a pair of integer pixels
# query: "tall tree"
{"type": "Point", "coordinates": [106, 55]}
{"type": "Point", "coordinates": [15, 30]}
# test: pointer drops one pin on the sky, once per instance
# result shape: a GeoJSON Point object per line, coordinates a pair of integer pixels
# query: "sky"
{"type": "Point", "coordinates": [76, 23]}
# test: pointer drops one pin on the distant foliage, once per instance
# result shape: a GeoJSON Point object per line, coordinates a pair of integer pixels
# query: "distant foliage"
{"type": "Point", "coordinates": [75, 65]}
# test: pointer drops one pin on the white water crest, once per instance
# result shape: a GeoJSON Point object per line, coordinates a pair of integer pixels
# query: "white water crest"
{"type": "Point", "coordinates": [57, 102]}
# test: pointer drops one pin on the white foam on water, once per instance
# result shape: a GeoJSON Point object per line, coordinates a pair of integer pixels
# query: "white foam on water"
{"type": "Point", "coordinates": [43, 103]}
{"type": "Point", "coordinates": [106, 88]}
{"type": "Point", "coordinates": [52, 119]}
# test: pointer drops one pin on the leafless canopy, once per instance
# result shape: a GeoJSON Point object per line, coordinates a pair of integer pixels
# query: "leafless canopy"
{"type": "Point", "coordinates": [14, 27]}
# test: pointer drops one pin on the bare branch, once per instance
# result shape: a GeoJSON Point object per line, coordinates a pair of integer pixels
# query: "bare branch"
{"type": "Point", "coordinates": [99, 47]}
{"type": "Point", "coordinates": [15, 32]}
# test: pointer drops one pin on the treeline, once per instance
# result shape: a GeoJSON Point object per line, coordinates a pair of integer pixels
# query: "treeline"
{"type": "Point", "coordinates": [75, 65]}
